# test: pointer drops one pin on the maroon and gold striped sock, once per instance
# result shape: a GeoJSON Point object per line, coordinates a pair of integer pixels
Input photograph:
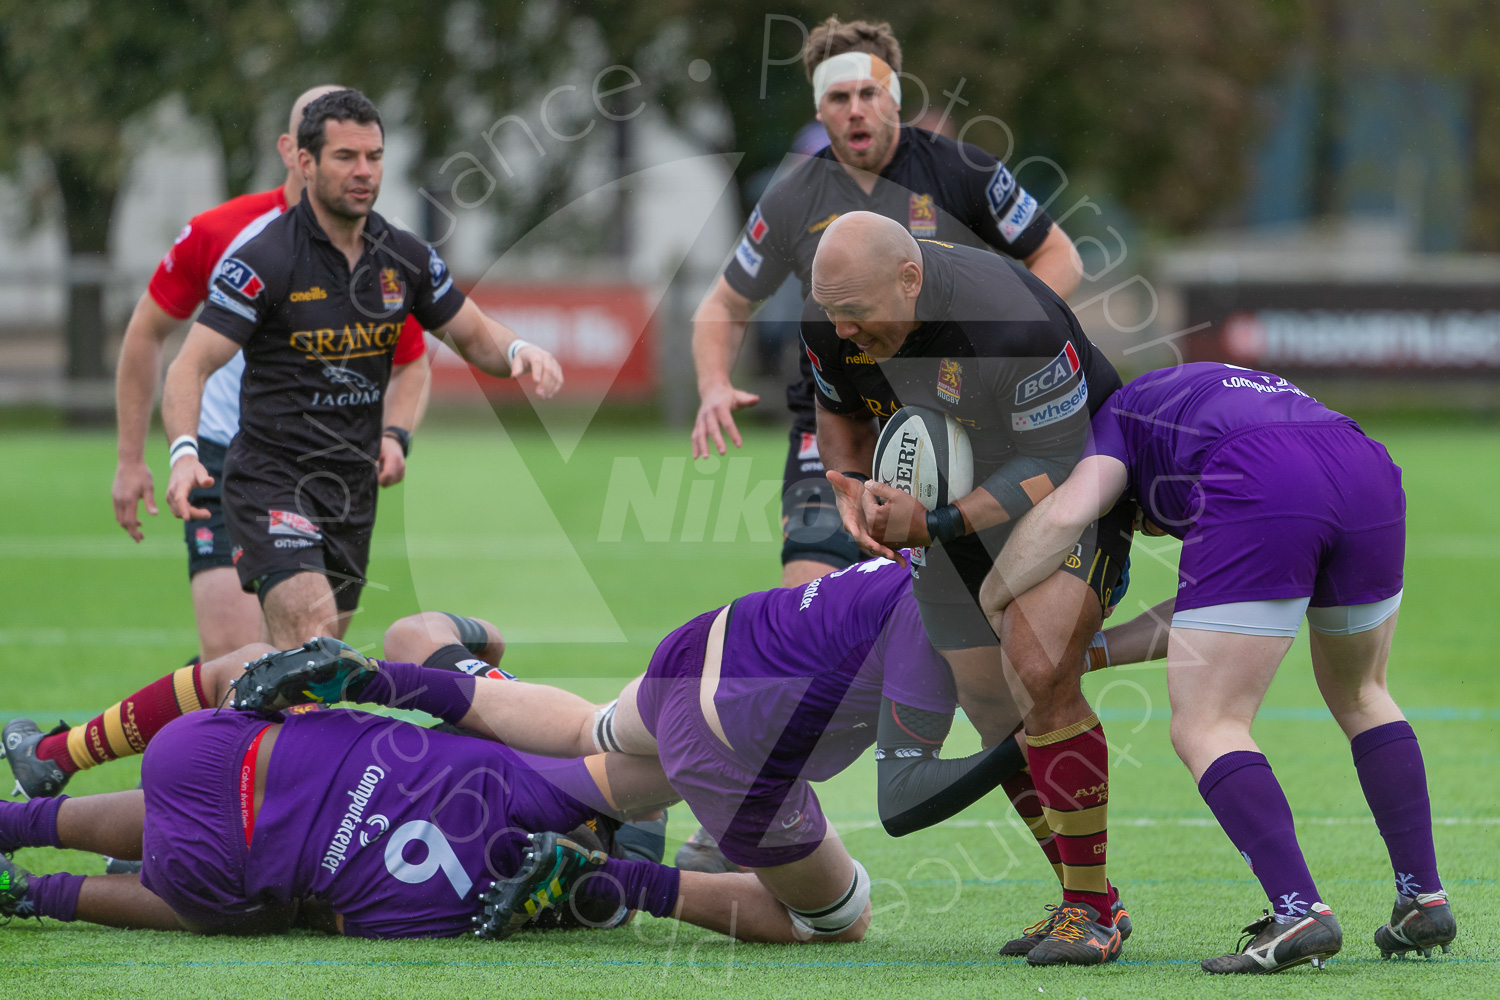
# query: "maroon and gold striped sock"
{"type": "Point", "coordinates": [1071, 770]}
{"type": "Point", "coordinates": [124, 729]}
{"type": "Point", "coordinates": [1028, 805]}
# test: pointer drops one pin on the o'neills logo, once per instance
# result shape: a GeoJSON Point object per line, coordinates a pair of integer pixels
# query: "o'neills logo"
{"type": "Point", "coordinates": [338, 847]}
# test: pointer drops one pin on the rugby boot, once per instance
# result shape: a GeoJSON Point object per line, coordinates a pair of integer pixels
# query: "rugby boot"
{"type": "Point", "coordinates": [36, 778]}
{"type": "Point", "coordinates": [1033, 935]}
{"type": "Point", "coordinates": [321, 671]}
{"type": "Point", "coordinates": [1268, 946]}
{"type": "Point", "coordinates": [120, 866]}
{"type": "Point", "coordinates": [14, 881]}
{"type": "Point", "coordinates": [550, 869]}
{"type": "Point", "coordinates": [1076, 938]}
{"type": "Point", "coordinates": [700, 853]}
{"type": "Point", "coordinates": [1419, 923]}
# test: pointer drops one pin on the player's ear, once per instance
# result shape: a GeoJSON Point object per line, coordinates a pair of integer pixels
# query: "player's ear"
{"type": "Point", "coordinates": [286, 145]}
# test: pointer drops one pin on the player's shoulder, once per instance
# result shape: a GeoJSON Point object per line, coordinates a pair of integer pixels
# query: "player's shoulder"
{"type": "Point", "coordinates": [227, 220]}
{"type": "Point", "coordinates": [798, 190]}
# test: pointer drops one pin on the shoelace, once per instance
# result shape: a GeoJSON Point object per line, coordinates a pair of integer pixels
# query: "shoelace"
{"type": "Point", "coordinates": [1042, 926]}
{"type": "Point", "coordinates": [1252, 931]}
{"type": "Point", "coordinates": [1070, 923]}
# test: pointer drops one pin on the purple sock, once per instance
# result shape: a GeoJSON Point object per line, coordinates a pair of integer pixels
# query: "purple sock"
{"type": "Point", "coordinates": [29, 824]}
{"type": "Point", "coordinates": [54, 896]}
{"type": "Point", "coordinates": [640, 885]}
{"type": "Point", "coordinates": [1389, 762]}
{"type": "Point", "coordinates": [1249, 804]}
{"type": "Point", "coordinates": [442, 694]}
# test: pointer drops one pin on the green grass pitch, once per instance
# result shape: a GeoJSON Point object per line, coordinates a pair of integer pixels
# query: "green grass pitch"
{"type": "Point", "coordinates": [512, 527]}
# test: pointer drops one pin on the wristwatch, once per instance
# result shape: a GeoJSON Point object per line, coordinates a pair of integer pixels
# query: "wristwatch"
{"type": "Point", "coordinates": [402, 436]}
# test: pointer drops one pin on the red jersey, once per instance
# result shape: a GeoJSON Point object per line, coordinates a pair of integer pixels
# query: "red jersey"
{"type": "Point", "coordinates": [181, 281]}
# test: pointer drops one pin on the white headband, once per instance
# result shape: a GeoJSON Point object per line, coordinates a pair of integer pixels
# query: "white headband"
{"type": "Point", "coordinates": [847, 66]}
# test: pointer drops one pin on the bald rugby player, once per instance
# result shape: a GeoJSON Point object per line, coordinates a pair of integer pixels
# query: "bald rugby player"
{"type": "Point", "coordinates": [895, 322]}
{"type": "Point", "coordinates": [226, 616]}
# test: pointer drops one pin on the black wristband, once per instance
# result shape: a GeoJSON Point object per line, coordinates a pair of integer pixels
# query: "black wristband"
{"type": "Point", "coordinates": [858, 476]}
{"type": "Point", "coordinates": [946, 524]}
{"type": "Point", "coordinates": [402, 437]}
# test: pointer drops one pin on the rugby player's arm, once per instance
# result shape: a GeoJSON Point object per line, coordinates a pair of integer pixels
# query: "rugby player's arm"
{"type": "Point", "coordinates": [485, 343]}
{"type": "Point", "coordinates": [204, 352]}
{"type": "Point", "coordinates": [718, 333]}
{"type": "Point", "coordinates": [1056, 262]}
{"type": "Point", "coordinates": [916, 787]}
{"type": "Point", "coordinates": [135, 391]}
{"type": "Point", "coordinates": [403, 400]}
{"type": "Point", "coordinates": [1042, 539]}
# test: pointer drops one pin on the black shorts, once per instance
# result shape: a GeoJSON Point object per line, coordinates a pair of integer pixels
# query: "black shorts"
{"type": "Point", "coordinates": [286, 518]}
{"type": "Point", "coordinates": [946, 578]}
{"type": "Point", "coordinates": [208, 542]}
{"type": "Point", "coordinates": [810, 524]}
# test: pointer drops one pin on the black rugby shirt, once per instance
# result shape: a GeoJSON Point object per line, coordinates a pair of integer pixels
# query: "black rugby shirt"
{"type": "Point", "coordinates": [997, 350]}
{"type": "Point", "coordinates": [317, 337]}
{"type": "Point", "coordinates": [934, 186]}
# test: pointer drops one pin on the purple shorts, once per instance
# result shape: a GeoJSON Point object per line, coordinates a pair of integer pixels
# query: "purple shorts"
{"type": "Point", "coordinates": [759, 817]}
{"type": "Point", "coordinates": [193, 849]}
{"type": "Point", "coordinates": [1295, 510]}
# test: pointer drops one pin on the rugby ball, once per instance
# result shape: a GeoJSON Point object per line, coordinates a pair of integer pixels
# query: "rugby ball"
{"type": "Point", "coordinates": [926, 454]}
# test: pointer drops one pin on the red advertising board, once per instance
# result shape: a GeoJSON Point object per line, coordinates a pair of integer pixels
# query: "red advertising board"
{"type": "Point", "coordinates": [600, 333]}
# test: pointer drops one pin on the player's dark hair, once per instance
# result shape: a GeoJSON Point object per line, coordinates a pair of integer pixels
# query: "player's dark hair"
{"type": "Point", "coordinates": [340, 106]}
{"type": "Point", "coordinates": [834, 37]}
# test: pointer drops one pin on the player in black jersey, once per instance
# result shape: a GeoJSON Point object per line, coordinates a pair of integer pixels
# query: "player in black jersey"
{"type": "Point", "coordinates": [893, 322]}
{"type": "Point", "coordinates": [935, 187]}
{"type": "Point", "coordinates": [316, 301]}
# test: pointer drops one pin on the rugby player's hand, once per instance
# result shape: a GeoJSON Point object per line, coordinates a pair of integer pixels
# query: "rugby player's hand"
{"type": "Point", "coordinates": [391, 468]}
{"type": "Point", "coordinates": [850, 495]}
{"type": "Point", "coordinates": [133, 484]}
{"type": "Point", "coordinates": [894, 516]}
{"type": "Point", "coordinates": [545, 371]}
{"type": "Point", "coordinates": [188, 474]}
{"type": "Point", "coordinates": [714, 418]}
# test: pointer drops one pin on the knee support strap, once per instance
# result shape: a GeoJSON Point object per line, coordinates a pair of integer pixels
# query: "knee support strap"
{"type": "Point", "coordinates": [834, 920]}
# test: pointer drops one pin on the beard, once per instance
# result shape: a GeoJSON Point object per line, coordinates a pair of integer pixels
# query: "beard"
{"type": "Point", "coordinates": [330, 197]}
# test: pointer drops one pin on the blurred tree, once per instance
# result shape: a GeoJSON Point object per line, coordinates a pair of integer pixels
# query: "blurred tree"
{"type": "Point", "coordinates": [76, 72]}
{"type": "Point", "coordinates": [1153, 101]}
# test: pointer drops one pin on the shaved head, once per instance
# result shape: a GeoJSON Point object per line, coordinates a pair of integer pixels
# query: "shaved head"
{"type": "Point", "coordinates": [304, 99]}
{"type": "Point", "coordinates": [866, 275]}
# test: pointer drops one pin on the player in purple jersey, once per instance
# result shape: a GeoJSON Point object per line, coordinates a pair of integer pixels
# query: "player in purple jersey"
{"type": "Point", "coordinates": [744, 706]}
{"type": "Point", "coordinates": [1285, 509]}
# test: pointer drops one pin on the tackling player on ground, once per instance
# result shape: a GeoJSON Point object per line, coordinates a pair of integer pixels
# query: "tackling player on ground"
{"type": "Point", "coordinates": [1286, 509]}
{"type": "Point", "coordinates": [227, 617]}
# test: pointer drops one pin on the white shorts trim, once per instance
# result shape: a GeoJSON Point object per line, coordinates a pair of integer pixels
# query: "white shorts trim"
{"type": "Point", "coordinates": [1353, 619]}
{"type": "Point", "coordinates": [1283, 617]}
{"type": "Point", "coordinates": [1280, 617]}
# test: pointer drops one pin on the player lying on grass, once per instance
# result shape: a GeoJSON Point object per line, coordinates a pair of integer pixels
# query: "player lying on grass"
{"type": "Point", "coordinates": [756, 796]}
{"type": "Point", "coordinates": [1285, 509]}
{"type": "Point", "coordinates": [745, 706]}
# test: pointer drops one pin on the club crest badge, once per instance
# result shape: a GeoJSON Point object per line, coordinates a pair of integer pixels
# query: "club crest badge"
{"type": "Point", "coordinates": [392, 295]}
{"type": "Point", "coordinates": [950, 383]}
{"type": "Point", "coordinates": [921, 216]}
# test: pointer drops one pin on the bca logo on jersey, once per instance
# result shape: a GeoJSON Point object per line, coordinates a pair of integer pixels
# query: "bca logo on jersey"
{"type": "Point", "coordinates": [757, 229]}
{"type": "Point", "coordinates": [241, 277]}
{"type": "Point", "coordinates": [1001, 185]}
{"type": "Point", "coordinates": [1053, 374]}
